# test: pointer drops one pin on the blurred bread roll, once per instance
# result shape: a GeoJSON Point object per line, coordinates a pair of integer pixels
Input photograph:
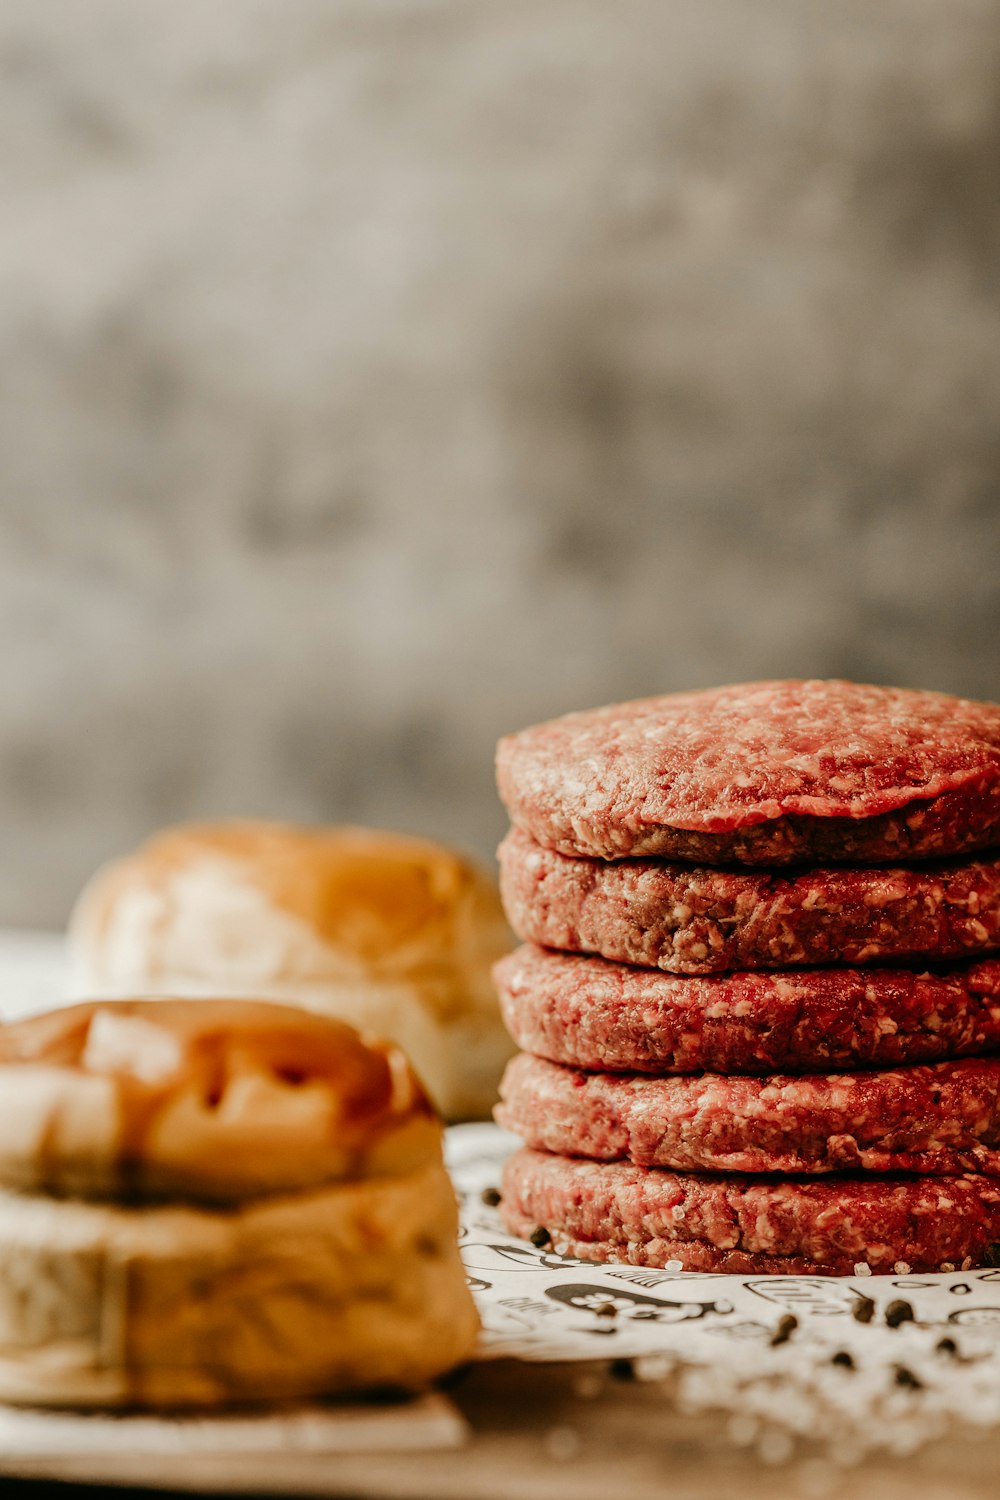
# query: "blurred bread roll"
{"type": "Point", "coordinates": [392, 934]}
{"type": "Point", "coordinates": [259, 1210]}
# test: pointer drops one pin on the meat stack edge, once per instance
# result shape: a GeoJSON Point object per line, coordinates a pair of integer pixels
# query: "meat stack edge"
{"type": "Point", "coordinates": [764, 1041]}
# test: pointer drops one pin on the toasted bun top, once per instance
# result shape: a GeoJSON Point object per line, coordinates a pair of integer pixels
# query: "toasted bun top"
{"type": "Point", "coordinates": [203, 1099]}
{"type": "Point", "coordinates": [353, 899]}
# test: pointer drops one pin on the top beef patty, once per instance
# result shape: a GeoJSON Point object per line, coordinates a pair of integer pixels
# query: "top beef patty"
{"type": "Point", "coordinates": [764, 773]}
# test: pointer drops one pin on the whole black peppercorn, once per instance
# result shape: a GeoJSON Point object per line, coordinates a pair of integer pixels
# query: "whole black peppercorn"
{"type": "Point", "coordinates": [490, 1196]}
{"type": "Point", "coordinates": [897, 1313]}
{"type": "Point", "coordinates": [991, 1256]}
{"type": "Point", "coordinates": [786, 1327]}
{"type": "Point", "coordinates": [946, 1346]}
{"type": "Point", "coordinates": [907, 1379]}
{"type": "Point", "coordinates": [863, 1310]}
{"type": "Point", "coordinates": [540, 1237]}
{"type": "Point", "coordinates": [621, 1369]}
{"type": "Point", "coordinates": [605, 1310]}
{"type": "Point", "coordinates": [844, 1359]}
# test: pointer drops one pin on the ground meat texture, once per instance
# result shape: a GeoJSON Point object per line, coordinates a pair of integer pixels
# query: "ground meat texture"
{"type": "Point", "coordinates": [692, 920]}
{"type": "Point", "coordinates": [763, 773]}
{"type": "Point", "coordinates": [937, 1120]}
{"type": "Point", "coordinates": [617, 1212]}
{"type": "Point", "coordinates": [595, 1014]}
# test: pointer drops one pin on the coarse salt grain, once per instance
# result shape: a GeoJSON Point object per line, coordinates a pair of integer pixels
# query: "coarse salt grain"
{"type": "Point", "coordinates": [742, 1429]}
{"type": "Point", "coordinates": [862, 1268]}
{"type": "Point", "coordinates": [562, 1444]}
{"type": "Point", "coordinates": [587, 1387]}
{"type": "Point", "coordinates": [775, 1447]}
{"type": "Point", "coordinates": [816, 1479]}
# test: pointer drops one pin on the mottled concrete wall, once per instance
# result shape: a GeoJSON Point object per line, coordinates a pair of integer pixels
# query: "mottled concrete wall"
{"type": "Point", "coordinates": [378, 375]}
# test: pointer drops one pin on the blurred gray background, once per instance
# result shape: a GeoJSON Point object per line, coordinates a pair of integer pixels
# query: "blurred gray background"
{"type": "Point", "coordinates": [377, 376]}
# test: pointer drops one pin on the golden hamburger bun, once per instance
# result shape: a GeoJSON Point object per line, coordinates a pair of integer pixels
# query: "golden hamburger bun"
{"type": "Point", "coordinates": [392, 934]}
{"type": "Point", "coordinates": [259, 1210]}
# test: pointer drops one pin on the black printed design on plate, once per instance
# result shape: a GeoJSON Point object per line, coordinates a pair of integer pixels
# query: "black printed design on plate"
{"type": "Point", "coordinates": [481, 1256]}
{"type": "Point", "coordinates": [609, 1304]}
{"type": "Point", "coordinates": [975, 1317]}
{"type": "Point", "coordinates": [807, 1294]}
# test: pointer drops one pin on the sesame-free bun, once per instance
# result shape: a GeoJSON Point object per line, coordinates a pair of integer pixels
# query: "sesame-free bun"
{"type": "Point", "coordinates": [207, 1100]}
{"type": "Point", "coordinates": [212, 1202]}
{"type": "Point", "coordinates": [395, 935]}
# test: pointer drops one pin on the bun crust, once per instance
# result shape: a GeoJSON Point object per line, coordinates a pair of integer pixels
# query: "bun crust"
{"type": "Point", "coordinates": [355, 1286]}
{"type": "Point", "coordinates": [217, 1100]}
{"type": "Point", "coordinates": [393, 934]}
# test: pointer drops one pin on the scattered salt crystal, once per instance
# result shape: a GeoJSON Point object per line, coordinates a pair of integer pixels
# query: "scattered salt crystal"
{"type": "Point", "coordinates": [674, 1265]}
{"type": "Point", "coordinates": [775, 1447]}
{"type": "Point", "coordinates": [901, 1268]}
{"type": "Point", "coordinates": [905, 1437]}
{"type": "Point", "coordinates": [847, 1453]}
{"type": "Point", "coordinates": [816, 1479]}
{"type": "Point", "coordinates": [862, 1268]}
{"type": "Point", "coordinates": [742, 1429]}
{"type": "Point", "coordinates": [562, 1443]}
{"type": "Point", "coordinates": [588, 1386]}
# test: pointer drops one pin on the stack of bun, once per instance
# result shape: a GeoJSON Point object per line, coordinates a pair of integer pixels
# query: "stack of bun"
{"type": "Point", "coordinates": [214, 1201]}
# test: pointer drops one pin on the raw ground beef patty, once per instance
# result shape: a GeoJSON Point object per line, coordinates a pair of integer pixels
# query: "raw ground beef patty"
{"type": "Point", "coordinates": [592, 1013]}
{"type": "Point", "coordinates": [762, 773]}
{"type": "Point", "coordinates": [941, 1119]}
{"type": "Point", "coordinates": [614, 1211]}
{"type": "Point", "coordinates": [692, 920]}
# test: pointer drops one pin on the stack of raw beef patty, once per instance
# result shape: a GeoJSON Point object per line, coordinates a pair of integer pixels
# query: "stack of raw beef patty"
{"type": "Point", "coordinates": [756, 997]}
